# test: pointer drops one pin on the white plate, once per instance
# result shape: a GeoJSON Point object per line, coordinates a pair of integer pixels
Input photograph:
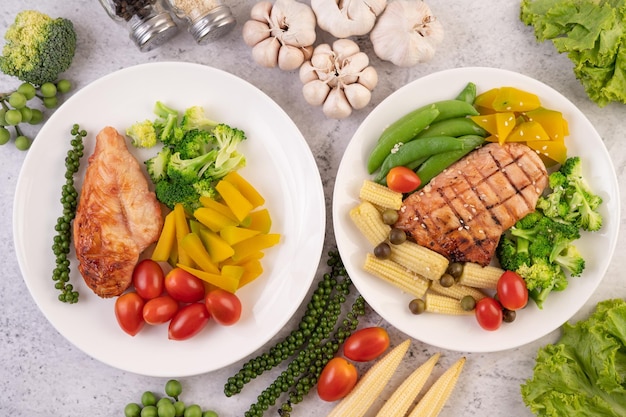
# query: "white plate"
{"type": "Point", "coordinates": [463, 333]}
{"type": "Point", "coordinates": [280, 165]}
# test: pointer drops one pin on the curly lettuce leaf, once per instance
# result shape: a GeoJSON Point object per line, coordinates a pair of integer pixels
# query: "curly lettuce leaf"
{"type": "Point", "coordinates": [593, 35]}
{"type": "Point", "coordinates": [585, 372]}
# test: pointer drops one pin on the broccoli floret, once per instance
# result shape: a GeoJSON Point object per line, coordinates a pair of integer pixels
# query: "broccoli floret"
{"type": "Point", "coordinates": [157, 165]}
{"type": "Point", "coordinates": [227, 139]}
{"type": "Point", "coordinates": [571, 259]}
{"type": "Point", "coordinates": [572, 199]}
{"type": "Point", "coordinates": [205, 188]}
{"type": "Point", "coordinates": [541, 278]}
{"type": "Point", "coordinates": [172, 192]}
{"type": "Point", "coordinates": [195, 143]}
{"type": "Point", "coordinates": [38, 48]}
{"type": "Point", "coordinates": [189, 170]}
{"type": "Point", "coordinates": [511, 254]}
{"type": "Point", "coordinates": [195, 118]}
{"type": "Point", "coordinates": [142, 134]}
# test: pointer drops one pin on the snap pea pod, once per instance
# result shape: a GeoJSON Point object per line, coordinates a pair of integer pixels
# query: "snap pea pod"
{"type": "Point", "coordinates": [411, 151]}
{"type": "Point", "coordinates": [468, 93]}
{"type": "Point", "coordinates": [457, 126]}
{"type": "Point", "coordinates": [410, 125]}
{"type": "Point", "coordinates": [436, 164]}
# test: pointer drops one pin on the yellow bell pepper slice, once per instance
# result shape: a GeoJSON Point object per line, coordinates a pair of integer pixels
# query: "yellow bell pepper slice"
{"type": "Point", "coordinates": [194, 247]}
{"type": "Point", "coordinates": [219, 207]}
{"type": "Point", "coordinates": [213, 219]}
{"type": "Point", "coordinates": [227, 281]}
{"type": "Point", "coordinates": [511, 99]}
{"type": "Point", "coordinates": [252, 270]}
{"type": "Point", "coordinates": [245, 188]}
{"type": "Point", "coordinates": [167, 239]}
{"type": "Point", "coordinates": [254, 244]}
{"type": "Point", "coordinates": [260, 220]}
{"type": "Point", "coordinates": [219, 250]}
{"type": "Point", "coordinates": [182, 230]}
{"type": "Point", "coordinates": [240, 206]}
{"type": "Point", "coordinates": [235, 234]}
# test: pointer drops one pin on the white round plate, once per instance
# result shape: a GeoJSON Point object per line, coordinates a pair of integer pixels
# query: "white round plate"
{"type": "Point", "coordinates": [279, 164]}
{"type": "Point", "coordinates": [463, 333]}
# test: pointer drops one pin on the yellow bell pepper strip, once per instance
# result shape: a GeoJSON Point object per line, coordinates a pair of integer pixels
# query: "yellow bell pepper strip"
{"type": "Point", "coordinates": [260, 220]}
{"type": "Point", "coordinates": [226, 280]}
{"type": "Point", "coordinates": [213, 219]}
{"type": "Point", "coordinates": [236, 234]}
{"type": "Point", "coordinates": [182, 230]}
{"type": "Point", "coordinates": [193, 246]}
{"type": "Point", "coordinates": [240, 206]}
{"type": "Point", "coordinates": [219, 207]}
{"type": "Point", "coordinates": [511, 99]}
{"type": "Point", "coordinates": [217, 247]}
{"type": "Point", "coordinates": [245, 188]}
{"type": "Point", "coordinates": [254, 244]}
{"type": "Point", "coordinates": [167, 239]}
{"type": "Point", "coordinates": [252, 270]}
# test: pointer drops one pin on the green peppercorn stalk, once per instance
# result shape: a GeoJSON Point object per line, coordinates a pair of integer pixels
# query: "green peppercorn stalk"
{"type": "Point", "coordinates": [314, 343]}
{"type": "Point", "coordinates": [69, 200]}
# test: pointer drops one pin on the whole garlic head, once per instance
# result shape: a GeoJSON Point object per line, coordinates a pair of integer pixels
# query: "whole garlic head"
{"type": "Point", "coordinates": [406, 33]}
{"type": "Point", "coordinates": [345, 18]}
{"type": "Point", "coordinates": [280, 34]}
{"type": "Point", "coordinates": [338, 78]}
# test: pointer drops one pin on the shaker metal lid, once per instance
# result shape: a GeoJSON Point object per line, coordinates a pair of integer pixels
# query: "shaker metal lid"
{"type": "Point", "coordinates": [213, 25]}
{"type": "Point", "coordinates": [155, 31]}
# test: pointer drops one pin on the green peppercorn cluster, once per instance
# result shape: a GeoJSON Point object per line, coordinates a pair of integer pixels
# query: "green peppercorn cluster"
{"type": "Point", "coordinates": [317, 339]}
{"type": "Point", "coordinates": [69, 200]}
{"type": "Point", "coordinates": [169, 405]}
{"type": "Point", "coordinates": [16, 110]}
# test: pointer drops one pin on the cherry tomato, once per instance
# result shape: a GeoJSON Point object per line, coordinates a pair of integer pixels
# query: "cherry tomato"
{"type": "Point", "coordinates": [366, 344]}
{"type": "Point", "coordinates": [402, 179]}
{"type": "Point", "coordinates": [129, 312]}
{"type": "Point", "coordinates": [188, 321]}
{"type": "Point", "coordinates": [512, 291]}
{"type": "Point", "coordinates": [160, 310]}
{"type": "Point", "coordinates": [489, 313]}
{"type": "Point", "coordinates": [183, 286]}
{"type": "Point", "coordinates": [224, 307]}
{"type": "Point", "coordinates": [148, 279]}
{"type": "Point", "coordinates": [336, 380]}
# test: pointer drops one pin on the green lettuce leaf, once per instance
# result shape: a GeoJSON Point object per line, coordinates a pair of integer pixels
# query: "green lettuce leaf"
{"type": "Point", "coordinates": [593, 35]}
{"type": "Point", "coordinates": [584, 374]}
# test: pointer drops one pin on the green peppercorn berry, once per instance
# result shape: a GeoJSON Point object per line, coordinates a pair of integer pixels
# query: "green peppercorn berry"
{"type": "Point", "coordinates": [173, 388]}
{"type": "Point", "coordinates": [148, 398]}
{"type": "Point", "coordinates": [132, 410]}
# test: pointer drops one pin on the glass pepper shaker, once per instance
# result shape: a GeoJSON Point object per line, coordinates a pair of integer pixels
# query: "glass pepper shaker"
{"type": "Point", "coordinates": [149, 22]}
{"type": "Point", "coordinates": [207, 19]}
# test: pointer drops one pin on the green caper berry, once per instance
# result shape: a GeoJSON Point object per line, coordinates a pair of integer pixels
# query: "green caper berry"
{"type": "Point", "coordinates": [446, 280]}
{"type": "Point", "coordinates": [468, 303]}
{"type": "Point", "coordinates": [390, 216]}
{"type": "Point", "coordinates": [508, 316]}
{"type": "Point", "coordinates": [397, 236]}
{"type": "Point", "coordinates": [382, 251]}
{"type": "Point", "coordinates": [455, 269]}
{"type": "Point", "coordinates": [417, 306]}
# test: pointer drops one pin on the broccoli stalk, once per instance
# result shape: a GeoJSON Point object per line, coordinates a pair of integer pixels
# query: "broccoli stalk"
{"type": "Point", "coordinates": [38, 48]}
{"type": "Point", "coordinates": [189, 170]}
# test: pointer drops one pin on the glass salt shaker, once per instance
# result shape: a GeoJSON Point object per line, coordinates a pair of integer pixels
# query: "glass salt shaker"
{"type": "Point", "coordinates": [149, 22]}
{"type": "Point", "coordinates": [207, 19]}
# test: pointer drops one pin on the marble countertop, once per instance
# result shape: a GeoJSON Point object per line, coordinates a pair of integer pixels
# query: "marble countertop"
{"type": "Point", "coordinates": [41, 373]}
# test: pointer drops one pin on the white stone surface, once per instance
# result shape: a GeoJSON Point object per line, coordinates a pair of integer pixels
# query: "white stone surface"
{"type": "Point", "coordinates": [42, 374]}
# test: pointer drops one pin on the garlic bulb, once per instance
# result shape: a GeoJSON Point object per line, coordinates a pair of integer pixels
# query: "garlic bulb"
{"type": "Point", "coordinates": [343, 19]}
{"type": "Point", "coordinates": [406, 33]}
{"type": "Point", "coordinates": [280, 34]}
{"type": "Point", "coordinates": [338, 78]}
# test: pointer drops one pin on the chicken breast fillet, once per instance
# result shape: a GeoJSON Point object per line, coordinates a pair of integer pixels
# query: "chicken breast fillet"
{"type": "Point", "coordinates": [117, 216]}
{"type": "Point", "coordinates": [462, 212]}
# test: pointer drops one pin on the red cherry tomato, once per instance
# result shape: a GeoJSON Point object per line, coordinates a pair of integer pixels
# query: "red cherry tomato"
{"type": "Point", "coordinates": [336, 380]}
{"type": "Point", "coordinates": [188, 321]}
{"type": "Point", "coordinates": [489, 313]}
{"type": "Point", "coordinates": [366, 344]}
{"type": "Point", "coordinates": [160, 310]}
{"type": "Point", "coordinates": [148, 279]}
{"type": "Point", "coordinates": [129, 312]}
{"type": "Point", "coordinates": [402, 179]}
{"type": "Point", "coordinates": [224, 307]}
{"type": "Point", "coordinates": [512, 291]}
{"type": "Point", "coordinates": [183, 286]}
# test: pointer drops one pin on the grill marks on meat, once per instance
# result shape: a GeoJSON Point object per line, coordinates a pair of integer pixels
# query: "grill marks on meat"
{"type": "Point", "coordinates": [117, 216]}
{"type": "Point", "coordinates": [462, 212]}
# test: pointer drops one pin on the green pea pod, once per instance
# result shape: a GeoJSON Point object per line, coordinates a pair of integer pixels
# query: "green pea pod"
{"type": "Point", "coordinates": [435, 164]}
{"type": "Point", "coordinates": [457, 126]}
{"type": "Point", "coordinates": [417, 149]}
{"type": "Point", "coordinates": [410, 125]}
{"type": "Point", "coordinates": [401, 131]}
{"type": "Point", "coordinates": [468, 93]}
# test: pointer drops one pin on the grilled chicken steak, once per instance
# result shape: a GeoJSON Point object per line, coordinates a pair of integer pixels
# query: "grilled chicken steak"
{"type": "Point", "coordinates": [117, 216]}
{"type": "Point", "coordinates": [462, 212]}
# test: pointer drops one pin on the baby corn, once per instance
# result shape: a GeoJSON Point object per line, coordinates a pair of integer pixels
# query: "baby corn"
{"type": "Point", "coordinates": [457, 291]}
{"type": "Point", "coordinates": [369, 221]}
{"type": "Point", "coordinates": [421, 260]}
{"type": "Point", "coordinates": [396, 275]}
{"type": "Point", "coordinates": [435, 398]}
{"type": "Point", "coordinates": [371, 384]}
{"type": "Point", "coordinates": [477, 276]}
{"type": "Point", "coordinates": [435, 303]}
{"type": "Point", "coordinates": [380, 196]}
{"type": "Point", "coordinates": [400, 401]}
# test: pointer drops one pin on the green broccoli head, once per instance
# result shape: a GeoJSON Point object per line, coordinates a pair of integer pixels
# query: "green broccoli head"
{"type": "Point", "coordinates": [195, 143]}
{"type": "Point", "coordinates": [189, 170]}
{"type": "Point", "coordinates": [571, 259]}
{"type": "Point", "coordinates": [205, 188]}
{"type": "Point", "coordinates": [512, 254]}
{"type": "Point", "coordinates": [38, 48]}
{"type": "Point", "coordinates": [142, 134]}
{"type": "Point", "coordinates": [227, 139]}
{"type": "Point", "coordinates": [195, 118]}
{"type": "Point", "coordinates": [542, 278]}
{"type": "Point", "coordinates": [170, 192]}
{"type": "Point", "coordinates": [157, 165]}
